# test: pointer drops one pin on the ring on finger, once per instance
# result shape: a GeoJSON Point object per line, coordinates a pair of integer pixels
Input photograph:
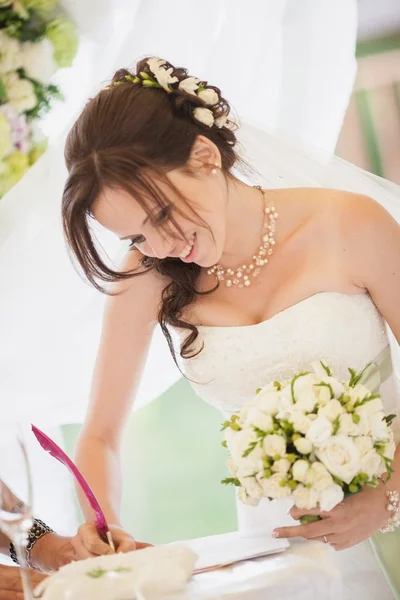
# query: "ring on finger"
{"type": "Point", "coordinates": [325, 539]}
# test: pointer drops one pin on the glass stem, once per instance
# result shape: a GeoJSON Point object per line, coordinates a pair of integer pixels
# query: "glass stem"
{"type": "Point", "coordinates": [24, 571]}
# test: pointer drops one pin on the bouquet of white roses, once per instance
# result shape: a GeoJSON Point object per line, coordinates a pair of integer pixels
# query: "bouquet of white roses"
{"type": "Point", "coordinates": [313, 438]}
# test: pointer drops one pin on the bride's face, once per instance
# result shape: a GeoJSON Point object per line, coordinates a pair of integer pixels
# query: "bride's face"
{"type": "Point", "coordinates": [190, 226]}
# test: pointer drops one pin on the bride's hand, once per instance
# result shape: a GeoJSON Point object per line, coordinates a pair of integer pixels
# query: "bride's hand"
{"type": "Point", "coordinates": [87, 542]}
{"type": "Point", "coordinates": [350, 522]}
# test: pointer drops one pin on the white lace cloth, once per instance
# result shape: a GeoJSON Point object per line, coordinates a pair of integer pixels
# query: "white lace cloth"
{"type": "Point", "coordinates": [344, 330]}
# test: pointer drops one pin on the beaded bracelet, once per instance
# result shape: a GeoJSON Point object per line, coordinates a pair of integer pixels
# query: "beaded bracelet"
{"type": "Point", "coordinates": [37, 531]}
{"type": "Point", "coordinates": [394, 508]}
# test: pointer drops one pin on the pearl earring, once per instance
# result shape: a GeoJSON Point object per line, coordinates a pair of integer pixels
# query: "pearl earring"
{"type": "Point", "coordinates": [214, 171]}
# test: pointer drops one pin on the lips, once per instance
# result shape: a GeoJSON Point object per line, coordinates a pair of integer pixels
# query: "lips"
{"type": "Point", "coordinates": [188, 248]}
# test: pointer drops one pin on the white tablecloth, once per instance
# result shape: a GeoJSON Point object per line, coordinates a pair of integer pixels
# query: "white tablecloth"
{"type": "Point", "coordinates": [306, 571]}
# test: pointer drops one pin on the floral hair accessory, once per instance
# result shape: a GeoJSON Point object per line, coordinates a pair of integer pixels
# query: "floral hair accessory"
{"type": "Point", "coordinates": [163, 76]}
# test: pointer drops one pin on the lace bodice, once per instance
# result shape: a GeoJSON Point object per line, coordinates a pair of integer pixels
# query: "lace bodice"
{"type": "Point", "coordinates": [343, 330]}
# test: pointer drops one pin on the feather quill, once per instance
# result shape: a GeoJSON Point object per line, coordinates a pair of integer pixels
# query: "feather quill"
{"type": "Point", "coordinates": [54, 450]}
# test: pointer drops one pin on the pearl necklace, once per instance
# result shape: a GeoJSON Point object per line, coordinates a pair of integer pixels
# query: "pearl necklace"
{"type": "Point", "coordinates": [242, 276]}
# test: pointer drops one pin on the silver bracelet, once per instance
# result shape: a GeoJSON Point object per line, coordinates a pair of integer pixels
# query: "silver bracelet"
{"type": "Point", "coordinates": [394, 508]}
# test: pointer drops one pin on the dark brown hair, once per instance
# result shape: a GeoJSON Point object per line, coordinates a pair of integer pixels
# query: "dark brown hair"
{"type": "Point", "coordinates": [123, 134]}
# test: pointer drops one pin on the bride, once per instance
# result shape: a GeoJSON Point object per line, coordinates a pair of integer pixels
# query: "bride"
{"type": "Point", "coordinates": [256, 282]}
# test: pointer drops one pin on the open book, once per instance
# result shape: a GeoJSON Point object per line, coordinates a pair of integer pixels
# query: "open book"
{"type": "Point", "coordinates": [221, 550]}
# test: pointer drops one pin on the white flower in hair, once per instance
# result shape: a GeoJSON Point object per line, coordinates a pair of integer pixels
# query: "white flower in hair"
{"type": "Point", "coordinates": [189, 85]}
{"type": "Point", "coordinates": [161, 73]}
{"type": "Point", "coordinates": [221, 121]}
{"type": "Point", "coordinates": [209, 97]}
{"type": "Point", "coordinates": [204, 115]}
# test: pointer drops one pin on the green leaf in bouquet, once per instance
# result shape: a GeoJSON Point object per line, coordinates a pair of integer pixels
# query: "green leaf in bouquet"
{"type": "Point", "coordinates": [336, 425]}
{"type": "Point", "coordinates": [326, 368]}
{"type": "Point", "coordinates": [292, 484]}
{"type": "Point", "coordinates": [258, 390]}
{"type": "Point", "coordinates": [278, 385]}
{"type": "Point", "coordinates": [295, 378]}
{"type": "Point", "coordinates": [267, 473]}
{"type": "Point", "coordinates": [360, 402]}
{"type": "Point", "coordinates": [224, 444]}
{"type": "Point", "coordinates": [389, 419]}
{"type": "Point", "coordinates": [231, 481]}
{"type": "Point", "coordinates": [122, 570]}
{"type": "Point", "coordinates": [260, 432]}
{"type": "Point", "coordinates": [337, 481]}
{"type": "Point", "coordinates": [249, 449]}
{"type": "Point", "coordinates": [225, 425]}
{"type": "Point", "coordinates": [356, 418]}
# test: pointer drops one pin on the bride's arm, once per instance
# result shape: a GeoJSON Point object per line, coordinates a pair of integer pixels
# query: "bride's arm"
{"type": "Point", "coordinates": [369, 239]}
{"type": "Point", "coordinates": [128, 327]}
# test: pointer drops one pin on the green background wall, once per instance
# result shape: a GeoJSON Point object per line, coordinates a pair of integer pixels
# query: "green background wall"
{"type": "Point", "coordinates": [173, 463]}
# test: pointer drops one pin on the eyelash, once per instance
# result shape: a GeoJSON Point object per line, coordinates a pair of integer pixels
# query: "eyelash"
{"type": "Point", "coordinates": [162, 216]}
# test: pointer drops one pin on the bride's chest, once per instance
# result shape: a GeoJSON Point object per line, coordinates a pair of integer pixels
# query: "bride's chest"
{"type": "Point", "coordinates": [345, 331]}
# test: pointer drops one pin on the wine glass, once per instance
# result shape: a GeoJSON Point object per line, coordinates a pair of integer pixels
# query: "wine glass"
{"type": "Point", "coordinates": [16, 497]}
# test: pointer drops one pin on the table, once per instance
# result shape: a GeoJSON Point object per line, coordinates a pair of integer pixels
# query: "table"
{"type": "Point", "coordinates": [306, 571]}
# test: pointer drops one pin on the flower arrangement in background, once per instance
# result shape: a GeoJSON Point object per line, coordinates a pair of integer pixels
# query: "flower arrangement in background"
{"type": "Point", "coordinates": [35, 40]}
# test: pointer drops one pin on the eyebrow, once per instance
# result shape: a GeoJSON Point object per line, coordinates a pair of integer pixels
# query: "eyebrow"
{"type": "Point", "coordinates": [128, 237]}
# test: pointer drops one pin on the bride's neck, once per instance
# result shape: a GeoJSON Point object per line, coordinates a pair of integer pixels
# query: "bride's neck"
{"type": "Point", "coordinates": [244, 221]}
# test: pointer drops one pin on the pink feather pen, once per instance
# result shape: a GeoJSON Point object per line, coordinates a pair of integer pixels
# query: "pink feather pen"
{"type": "Point", "coordinates": [55, 451]}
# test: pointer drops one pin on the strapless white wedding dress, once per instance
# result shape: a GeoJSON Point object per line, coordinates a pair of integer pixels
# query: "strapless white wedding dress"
{"type": "Point", "coordinates": [345, 331]}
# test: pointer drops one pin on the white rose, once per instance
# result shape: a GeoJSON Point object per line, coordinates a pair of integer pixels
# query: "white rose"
{"type": "Point", "coordinates": [340, 456]}
{"type": "Point", "coordinates": [281, 466]}
{"type": "Point", "coordinates": [299, 470]}
{"type": "Point", "coordinates": [371, 407]}
{"type": "Point", "coordinates": [246, 409]}
{"type": "Point", "coordinates": [209, 97]}
{"type": "Point", "coordinates": [371, 464]}
{"type": "Point", "coordinates": [390, 450]}
{"type": "Point", "coordinates": [348, 427]}
{"type": "Point", "coordinates": [379, 427]}
{"type": "Point", "coordinates": [304, 394]}
{"type": "Point", "coordinates": [37, 60]}
{"type": "Point", "coordinates": [189, 85]}
{"type": "Point", "coordinates": [232, 468]}
{"type": "Point", "coordinates": [322, 478]}
{"type": "Point", "coordinates": [246, 499]}
{"type": "Point", "coordinates": [240, 443]}
{"type": "Point", "coordinates": [331, 410]}
{"type": "Point", "coordinates": [274, 445]}
{"type": "Point", "coordinates": [252, 486]}
{"type": "Point", "coordinates": [305, 498]}
{"type": "Point", "coordinates": [322, 394]}
{"type": "Point", "coordinates": [10, 57]}
{"type": "Point", "coordinates": [321, 429]}
{"type": "Point", "coordinates": [20, 92]}
{"type": "Point", "coordinates": [364, 444]}
{"type": "Point", "coordinates": [204, 115]}
{"type": "Point", "coordinates": [285, 403]}
{"type": "Point", "coordinates": [257, 418]}
{"type": "Point", "coordinates": [273, 489]}
{"type": "Point", "coordinates": [303, 445]}
{"type": "Point", "coordinates": [330, 497]}
{"type": "Point", "coordinates": [300, 421]}
{"type": "Point", "coordinates": [268, 401]}
{"type": "Point", "coordinates": [221, 121]}
{"type": "Point", "coordinates": [161, 73]}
